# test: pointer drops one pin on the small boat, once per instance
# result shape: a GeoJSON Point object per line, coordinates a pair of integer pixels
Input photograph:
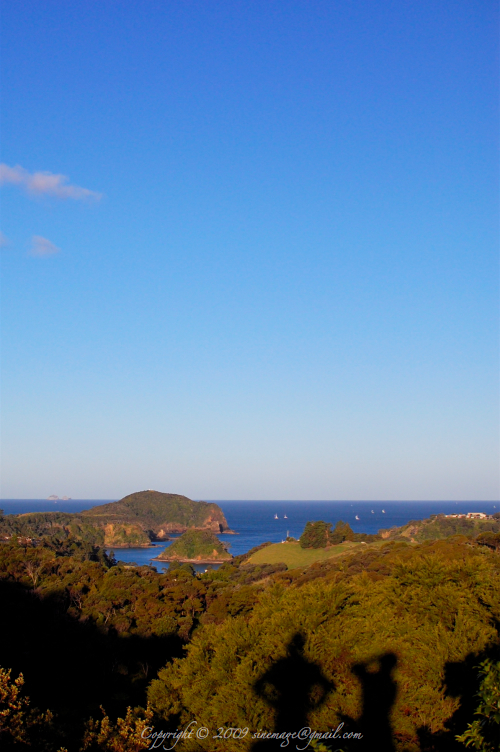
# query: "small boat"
{"type": "Point", "coordinates": [276, 517]}
{"type": "Point", "coordinates": [373, 512]}
{"type": "Point", "coordinates": [285, 517]}
{"type": "Point", "coordinates": [383, 511]}
{"type": "Point", "coordinates": [357, 517]}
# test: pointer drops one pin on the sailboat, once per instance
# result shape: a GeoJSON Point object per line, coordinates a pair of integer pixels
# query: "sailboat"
{"type": "Point", "coordinates": [276, 517]}
{"type": "Point", "coordinates": [357, 517]}
{"type": "Point", "coordinates": [373, 512]}
{"type": "Point", "coordinates": [285, 517]}
{"type": "Point", "coordinates": [383, 511]}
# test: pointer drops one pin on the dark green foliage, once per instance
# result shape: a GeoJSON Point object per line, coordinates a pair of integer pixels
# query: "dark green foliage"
{"type": "Point", "coordinates": [180, 568]}
{"type": "Point", "coordinates": [316, 534]}
{"type": "Point", "coordinates": [439, 526]}
{"type": "Point", "coordinates": [341, 533]}
{"type": "Point", "coordinates": [201, 545]}
{"type": "Point", "coordinates": [483, 734]}
{"type": "Point", "coordinates": [492, 540]}
{"type": "Point", "coordinates": [37, 525]}
{"type": "Point", "coordinates": [320, 535]}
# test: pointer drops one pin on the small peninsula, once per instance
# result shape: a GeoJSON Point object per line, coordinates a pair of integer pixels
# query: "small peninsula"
{"type": "Point", "coordinates": [196, 546]}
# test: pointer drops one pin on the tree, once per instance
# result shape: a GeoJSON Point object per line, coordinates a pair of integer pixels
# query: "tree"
{"type": "Point", "coordinates": [483, 734]}
{"type": "Point", "coordinates": [13, 708]}
{"type": "Point", "coordinates": [316, 534]}
{"type": "Point", "coordinates": [34, 568]}
{"type": "Point", "coordinates": [492, 540]}
{"type": "Point", "coordinates": [21, 725]}
{"type": "Point", "coordinates": [129, 734]}
{"type": "Point", "coordinates": [342, 532]}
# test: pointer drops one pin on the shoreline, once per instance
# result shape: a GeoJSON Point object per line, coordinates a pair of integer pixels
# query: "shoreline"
{"type": "Point", "coordinates": [193, 561]}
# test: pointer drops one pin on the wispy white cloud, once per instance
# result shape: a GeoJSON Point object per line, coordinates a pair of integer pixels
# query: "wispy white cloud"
{"type": "Point", "coordinates": [44, 183]}
{"type": "Point", "coordinates": [4, 240]}
{"type": "Point", "coordinates": [42, 247]}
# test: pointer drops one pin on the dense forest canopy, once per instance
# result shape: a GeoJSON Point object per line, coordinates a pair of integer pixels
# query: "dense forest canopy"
{"type": "Point", "coordinates": [389, 639]}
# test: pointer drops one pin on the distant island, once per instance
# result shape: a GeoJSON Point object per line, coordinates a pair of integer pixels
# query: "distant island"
{"type": "Point", "coordinates": [137, 520]}
{"type": "Point", "coordinates": [196, 546]}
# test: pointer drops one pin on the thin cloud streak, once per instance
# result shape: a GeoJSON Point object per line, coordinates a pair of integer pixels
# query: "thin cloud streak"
{"type": "Point", "coordinates": [45, 183]}
{"type": "Point", "coordinates": [42, 247]}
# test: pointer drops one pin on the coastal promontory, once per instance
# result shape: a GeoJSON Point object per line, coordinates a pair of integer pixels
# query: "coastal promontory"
{"type": "Point", "coordinates": [161, 513]}
{"type": "Point", "coordinates": [134, 521]}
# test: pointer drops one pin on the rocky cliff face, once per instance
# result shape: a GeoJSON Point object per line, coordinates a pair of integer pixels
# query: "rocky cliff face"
{"type": "Point", "coordinates": [125, 536]}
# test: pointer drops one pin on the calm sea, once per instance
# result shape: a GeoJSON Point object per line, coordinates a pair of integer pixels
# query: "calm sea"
{"type": "Point", "coordinates": [254, 521]}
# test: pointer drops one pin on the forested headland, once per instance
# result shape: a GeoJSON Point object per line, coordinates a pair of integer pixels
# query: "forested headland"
{"type": "Point", "coordinates": [134, 521]}
{"type": "Point", "coordinates": [392, 638]}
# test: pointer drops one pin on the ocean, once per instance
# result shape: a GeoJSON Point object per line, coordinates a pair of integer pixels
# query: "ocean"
{"type": "Point", "coordinates": [254, 521]}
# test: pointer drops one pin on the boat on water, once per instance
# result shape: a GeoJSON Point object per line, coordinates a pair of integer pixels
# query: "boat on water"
{"type": "Point", "coordinates": [276, 517]}
{"type": "Point", "coordinates": [373, 512]}
{"type": "Point", "coordinates": [357, 517]}
{"type": "Point", "coordinates": [285, 517]}
{"type": "Point", "coordinates": [383, 511]}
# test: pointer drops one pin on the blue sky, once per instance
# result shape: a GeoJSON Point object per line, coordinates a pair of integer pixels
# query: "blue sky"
{"type": "Point", "coordinates": [250, 249]}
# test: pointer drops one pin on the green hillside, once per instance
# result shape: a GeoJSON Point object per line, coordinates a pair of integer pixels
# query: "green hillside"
{"type": "Point", "coordinates": [196, 545]}
{"type": "Point", "coordinates": [293, 555]}
{"type": "Point", "coordinates": [438, 527]}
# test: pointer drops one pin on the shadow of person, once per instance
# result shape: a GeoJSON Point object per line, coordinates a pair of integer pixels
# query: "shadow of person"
{"type": "Point", "coordinates": [293, 686]}
{"type": "Point", "coordinates": [379, 693]}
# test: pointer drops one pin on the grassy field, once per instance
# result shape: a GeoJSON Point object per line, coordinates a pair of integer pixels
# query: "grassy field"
{"type": "Point", "coordinates": [293, 555]}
